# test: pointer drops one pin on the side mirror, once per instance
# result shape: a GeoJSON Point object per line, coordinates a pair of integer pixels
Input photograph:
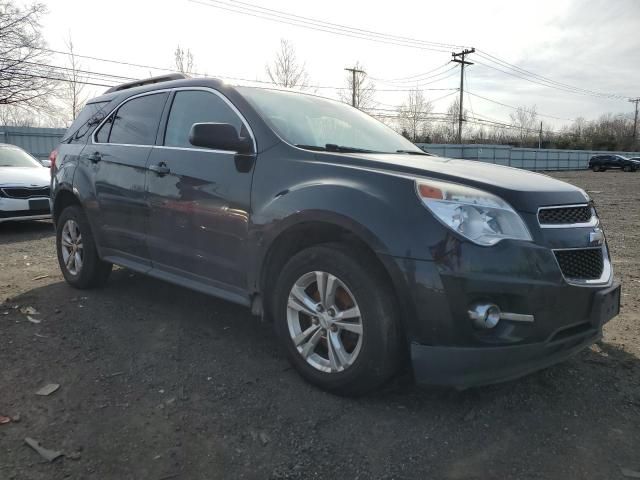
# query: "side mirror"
{"type": "Point", "coordinates": [219, 136]}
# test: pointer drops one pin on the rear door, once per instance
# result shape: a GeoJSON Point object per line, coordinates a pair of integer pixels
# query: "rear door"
{"type": "Point", "coordinates": [117, 159]}
{"type": "Point", "coordinates": [199, 197]}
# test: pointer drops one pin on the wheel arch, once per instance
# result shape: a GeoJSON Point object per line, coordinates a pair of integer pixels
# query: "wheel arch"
{"type": "Point", "coordinates": [62, 200]}
{"type": "Point", "coordinates": [315, 228]}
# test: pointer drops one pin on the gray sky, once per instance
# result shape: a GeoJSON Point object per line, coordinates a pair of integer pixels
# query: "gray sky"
{"type": "Point", "coordinates": [592, 44]}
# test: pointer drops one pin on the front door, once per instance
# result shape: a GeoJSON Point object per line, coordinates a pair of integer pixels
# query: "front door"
{"type": "Point", "coordinates": [199, 198]}
{"type": "Point", "coordinates": [117, 158]}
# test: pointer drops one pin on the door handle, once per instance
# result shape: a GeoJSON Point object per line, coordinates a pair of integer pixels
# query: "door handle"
{"type": "Point", "coordinates": [95, 157]}
{"type": "Point", "coordinates": [160, 169]}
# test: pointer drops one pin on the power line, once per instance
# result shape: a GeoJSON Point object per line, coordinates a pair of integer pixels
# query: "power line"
{"type": "Point", "coordinates": [494, 59]}
{"type": "Point", "coordinates": [516, 108]}
{"type": "Point", "coordinates": [252, 10]}
{"type": "Point", "coordinates": [568, 90]}
{"type": "Point", "coordinates": [412, 78]}
{"type": "Point", "coordinates": [314, 24]}
{"type": "Point", "coordinates": [422, 81]}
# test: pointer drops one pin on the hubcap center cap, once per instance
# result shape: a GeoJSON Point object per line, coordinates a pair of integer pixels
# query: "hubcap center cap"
{"type": "Point", "coordinates": [325, 320]}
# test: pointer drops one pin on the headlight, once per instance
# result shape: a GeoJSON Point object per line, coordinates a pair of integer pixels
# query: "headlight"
{"type": "Point", "coordinates": [481, 217]}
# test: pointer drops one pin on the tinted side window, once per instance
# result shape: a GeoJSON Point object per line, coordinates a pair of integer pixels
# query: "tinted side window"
{"type": "Point", "coordinates": [196, 106]}
{"type": "Point", "coordinates": [136, 122]}
{"type": "Point", "coordinates": [89, 117]}
{"type": "Point", "coordinates": [102, 135]}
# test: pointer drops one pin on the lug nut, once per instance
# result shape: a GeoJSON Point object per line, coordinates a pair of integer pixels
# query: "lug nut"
{"type": "Point", "coordinates": [319, 309]}
{"type": "Point", "coordinates": [331, 312]}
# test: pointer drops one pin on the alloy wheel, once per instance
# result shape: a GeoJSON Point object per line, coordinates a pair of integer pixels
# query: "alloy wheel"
{"type": "Point", "coordinates": [324, 322]}
{"type": "Point", "coordinates": [72, 247]}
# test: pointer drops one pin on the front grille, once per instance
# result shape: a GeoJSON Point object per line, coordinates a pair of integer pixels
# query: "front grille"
{"type": "Point", "coordinates": [24, 192]}
{"type": "Point", "coordinates": [581, 264]}
{"type": "Point", "coordinates": [565, 215]}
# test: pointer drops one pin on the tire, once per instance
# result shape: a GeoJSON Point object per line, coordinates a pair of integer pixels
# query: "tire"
{"type": "Point", "coordinates": [627, 168]}
{"type": "Point", "coordinates": [375, 355]}
{"type": "Point", "coordinates": [595, 168]}
{"type": "Point", "coordinates": [91, 271]}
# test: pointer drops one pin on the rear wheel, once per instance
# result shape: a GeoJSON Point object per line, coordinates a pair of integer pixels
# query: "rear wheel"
{"type": "Point", "coordinates": [77, 252]}
{"type": "Point", "coordinates": [335, 315]}
{"type": "Point", "coordinates": [627, 168]}
{"type": "Point", "coordinates": [595, 168]}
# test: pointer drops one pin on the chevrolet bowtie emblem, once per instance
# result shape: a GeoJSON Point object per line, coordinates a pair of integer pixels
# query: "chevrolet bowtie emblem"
{"type": "Point", "coordinates": [596, 237]}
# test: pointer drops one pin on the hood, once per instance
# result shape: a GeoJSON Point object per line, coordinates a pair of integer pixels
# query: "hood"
{"type": "Point", "coordinates": [524, 190]}
{"type": "Point", "coordinates": [25, 176]}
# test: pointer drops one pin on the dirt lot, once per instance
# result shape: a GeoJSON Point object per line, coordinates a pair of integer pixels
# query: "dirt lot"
{"type": "Point", "coordinates": [158, 382]}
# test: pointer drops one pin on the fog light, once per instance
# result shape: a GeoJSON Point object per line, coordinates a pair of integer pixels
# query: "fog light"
{"type": "Point", "coordinates": [485, 315]}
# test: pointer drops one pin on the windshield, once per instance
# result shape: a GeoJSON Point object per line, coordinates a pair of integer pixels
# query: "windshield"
{"type": "Point", "coordinates": [319, 123]}
{"type": "Point", "coordinates": [16, 157]}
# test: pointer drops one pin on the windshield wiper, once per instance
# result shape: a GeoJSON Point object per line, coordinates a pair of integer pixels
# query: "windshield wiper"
{"type": "Point", "coordinates": [311, 147]}
{"type": "Point", "coordinates": [332, 147]}
{"type": "Point", "coordinates": [414, 152]}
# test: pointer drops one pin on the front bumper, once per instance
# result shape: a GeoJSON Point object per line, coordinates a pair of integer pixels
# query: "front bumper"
{"type": "Point", "coordinates": [465, 367]}
{"type": "Point", "coordinates": [14, 209]}
{"type": "Point", "coordinates": [470, 367]}
{"type": "Point", "coordinates": [447, 349]}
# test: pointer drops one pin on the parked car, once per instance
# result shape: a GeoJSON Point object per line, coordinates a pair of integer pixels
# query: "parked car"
{"type": "Point", "coordinates": [601, 163]}
{"type": "Point", "coordinates": [366, 253]}
{"type": "Point", "coordinates": [24, 186]}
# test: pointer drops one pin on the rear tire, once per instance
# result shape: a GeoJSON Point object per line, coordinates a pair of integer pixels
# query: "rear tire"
{"type": "Point", "coordinates": [367, 347]}
{"type": "Point", "coordinates": [77, 253]}
{"type": "Point", "coordinates": [627, 168]}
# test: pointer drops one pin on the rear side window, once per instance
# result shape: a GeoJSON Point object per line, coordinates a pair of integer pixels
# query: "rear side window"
{"type": "Point", "coordinates": [135, 122]}
{"type": "Point", "coordinates": [196, 106]}
{"type": "Point", "coordinates": [89, 117]}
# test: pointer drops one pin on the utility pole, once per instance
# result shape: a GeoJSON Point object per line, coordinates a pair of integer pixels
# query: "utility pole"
{"type": "Point", "coordinates": [540, 137]}
{"type": "Point", "coordinates": [635, 120]}
{"type": "Point", "coordinates": [462, 63]}
{"type": "Point", "coordinates": [353, 71]}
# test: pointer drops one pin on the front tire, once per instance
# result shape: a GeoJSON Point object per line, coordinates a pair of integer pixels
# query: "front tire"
{"type": "Point", "coordinates": [77, 253]}
{"type": "Point", "coordinates": [336, 316]}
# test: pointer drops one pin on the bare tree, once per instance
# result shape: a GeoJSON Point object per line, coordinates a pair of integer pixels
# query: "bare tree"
{"type": "Point", "coordinates": [413, 115]}
{"type": "Point", "coordinates": [72, 89]}
{"type": "Point", "coordinates": [25, 77]}
{"type": "Point", "coordinates": [285, 70]}
{"type": "Point", "coordinates": [184, 60]}
{"type": "Point", "coordinates": [365, 89]}
{"type": "Point", "coordinates": [525, 119]}
{"type": "Point", "coordinates": [14, 116]}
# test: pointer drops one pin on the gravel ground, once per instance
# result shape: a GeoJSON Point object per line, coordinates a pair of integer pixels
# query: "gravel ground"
{"type": "Point", "coordinates": [158, 382]}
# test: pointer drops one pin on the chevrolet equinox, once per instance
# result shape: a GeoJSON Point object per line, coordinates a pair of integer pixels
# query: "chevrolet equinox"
{"type": "Point", "coordinates": [365, 252]}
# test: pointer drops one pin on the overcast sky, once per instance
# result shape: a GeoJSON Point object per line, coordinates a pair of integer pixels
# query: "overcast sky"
{"type": "Point", "coordinates": [593, 44]}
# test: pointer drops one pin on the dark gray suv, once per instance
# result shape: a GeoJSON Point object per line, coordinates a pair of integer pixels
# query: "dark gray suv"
{"type": "Point", "coordinates": [367, 254]}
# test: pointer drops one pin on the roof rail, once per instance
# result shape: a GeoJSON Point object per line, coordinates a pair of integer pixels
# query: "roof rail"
{"type": "Point", "coordinates": [148, 81]}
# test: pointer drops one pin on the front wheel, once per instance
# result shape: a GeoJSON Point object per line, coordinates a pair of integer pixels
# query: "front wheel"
{"type": "Point", "coordinates": [336, 317]}
{"type": "Point", "coordinates": [627, 168]}
{"type": "Point", "coordinates": [77, 253]}
{"type": "Point", "coordinates": [595, 168]}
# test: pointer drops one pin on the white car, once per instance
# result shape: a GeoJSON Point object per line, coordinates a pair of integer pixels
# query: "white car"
{"type": "Point", "coordinates": [24, 186]}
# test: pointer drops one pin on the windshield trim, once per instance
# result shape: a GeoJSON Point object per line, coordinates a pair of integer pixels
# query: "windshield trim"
{"type": "Point", "coordinates": [240, 89]}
